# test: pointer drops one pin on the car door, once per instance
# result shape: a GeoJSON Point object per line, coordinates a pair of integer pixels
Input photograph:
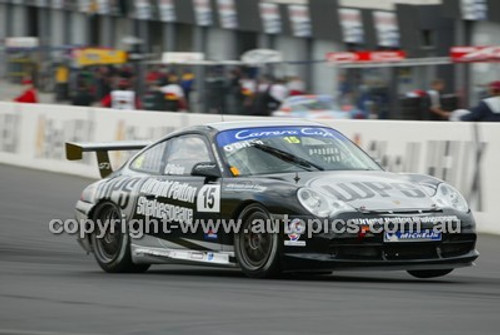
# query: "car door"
{"type": "Point", "coordinates": [195, 198]}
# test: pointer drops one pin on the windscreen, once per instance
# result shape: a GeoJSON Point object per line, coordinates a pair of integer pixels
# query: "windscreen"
{"type": "Point", "coordinates": [269, 150]}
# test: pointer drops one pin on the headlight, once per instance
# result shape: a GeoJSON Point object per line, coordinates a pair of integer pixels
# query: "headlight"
{"type": "Point", "coordinates": [319, 204]}
{"type": "Point", "coordinates": [448, 196]}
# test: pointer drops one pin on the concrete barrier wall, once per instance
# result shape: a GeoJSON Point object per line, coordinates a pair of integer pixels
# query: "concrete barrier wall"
{"type": "Point", "coordinates": [464, 154]}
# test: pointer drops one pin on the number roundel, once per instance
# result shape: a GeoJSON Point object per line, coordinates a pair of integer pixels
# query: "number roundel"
{"type": "Point", "coordinates": [208, 199]}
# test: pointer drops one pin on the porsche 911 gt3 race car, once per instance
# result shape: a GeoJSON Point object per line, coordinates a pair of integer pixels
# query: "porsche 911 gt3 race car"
{"type": "Point", "coordinates": [268, 197]}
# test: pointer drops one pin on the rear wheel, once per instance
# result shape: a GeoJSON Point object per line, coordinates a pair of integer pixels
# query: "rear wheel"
{"type": "Point", "coordinates": [429, 273]}
{"type": "Point", "coordinates": [112, 249]}
{"type": "Point", "coordinates": [257, 252]}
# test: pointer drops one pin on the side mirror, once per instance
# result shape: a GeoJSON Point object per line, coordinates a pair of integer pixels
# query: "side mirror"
{"type": "Point", "coordinates": [206, 169]}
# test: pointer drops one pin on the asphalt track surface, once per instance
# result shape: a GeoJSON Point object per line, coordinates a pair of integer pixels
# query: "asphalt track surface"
{"type": "Point", "coordinates": [49, 286]}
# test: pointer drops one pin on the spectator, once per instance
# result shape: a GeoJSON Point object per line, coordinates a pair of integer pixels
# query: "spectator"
{"type": "Point", "coordinates": [83, 96]}
{"type": "Point", "coordinates": [103, 82]}
{"type": "Point", "coordinates": [154, 98]}
{"type": "Point", "coordinates": [436, 112]}
{"type": "Point", "coordinates": [62, 82]}
{"type": "Point", "coordinates": [122, 98]}
{"type": "Point", "coordinates": [296, 86]}
{"type": "Point", "coordinates": [270, 96]}
{"type": "Point", "coordinates": [174, 95]}
{"type": "Point", "coordinates": [489, 108]}
{"type": "Point", "coordinates": [187, 84]}
{"type": "Point", "coordinates": [235, 98]}
{"type": "Point", "coordinates": [29, 94]}
{"type": "Point", "coordinates": [345, 90]}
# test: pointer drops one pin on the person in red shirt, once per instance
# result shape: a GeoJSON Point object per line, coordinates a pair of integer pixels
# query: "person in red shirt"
{"type": "Point", "coordinates": [29, 94]}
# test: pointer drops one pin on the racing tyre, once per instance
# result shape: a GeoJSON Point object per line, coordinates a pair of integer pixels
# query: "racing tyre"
{"type": "Point", "coordinates": [112, 251]}
{"type": "Point", "coordinates": [423, 274]}
{"type": "Point", "coordinates": [258, 253]}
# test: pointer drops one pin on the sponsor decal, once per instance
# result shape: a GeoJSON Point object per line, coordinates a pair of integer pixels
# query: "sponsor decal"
{"type": "Point", "coordinates": [208, 200]}
{"type": "Point", "coordinates": [117, 190]}
{"type": "Point", "coordinates": [174, 169]}
{"type": "Point", "coordinates": [197, 255]}
{"type": "Point", "coordinates": [52, 134]}
{"type": "Point", "coordinates": [425, 235]}
{"type": "Point", "coordinates": [434, 220]}
{"type": "Point", "coordinates": [228, 139]}
{"type": "Point", "coordinates": [244, 187]}
{"type": "Point", "coordinates": [206, 165]}
{"type": "Point", "coordinates": [210, 256]}
{"type": "Point", "coordinates": [210, 235]}
{"type": "Point", "coordinates": [162, 211]}
{"type": "Point", "coordinates": [240, 145]}
{"type": "Point", "coordinates": [350, 191]}
{"type": "Point", "coordinates": [459, 163]}
{"type": "Point", "coordinates": [169, 189]}
{"type": "Point", "coordinates": [296, 228]}
{"type": "Point", "coordinates": [9, 132]}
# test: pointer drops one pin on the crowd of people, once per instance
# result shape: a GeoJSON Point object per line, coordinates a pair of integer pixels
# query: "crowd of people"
{"type": "Point", "coordinates": [237, 91]}
{"type": "Point", "coordinates": [434, 109]}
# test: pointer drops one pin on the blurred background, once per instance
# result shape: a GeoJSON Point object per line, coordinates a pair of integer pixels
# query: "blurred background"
{"type": "Point", "coordinates": [358, 59]}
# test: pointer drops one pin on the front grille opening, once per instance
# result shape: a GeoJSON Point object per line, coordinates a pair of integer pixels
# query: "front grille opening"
{"type": "Point", "coordinates": [405, 252]}
{"type": "Point", "coordinates": [456, 249]}
{"type": "Point", "coordinates": [355, 252]}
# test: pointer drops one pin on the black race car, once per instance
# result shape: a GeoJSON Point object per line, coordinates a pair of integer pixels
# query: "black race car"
{"type": "Point", "coordinates": [268, 197]}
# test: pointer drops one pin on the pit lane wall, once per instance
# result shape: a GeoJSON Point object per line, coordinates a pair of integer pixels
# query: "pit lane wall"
{"type": "Point", "coordinates": [466, 155]}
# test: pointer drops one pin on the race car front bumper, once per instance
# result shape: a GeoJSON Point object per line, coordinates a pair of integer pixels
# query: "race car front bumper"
{"type": "Point", "coordinates": [333, 251]}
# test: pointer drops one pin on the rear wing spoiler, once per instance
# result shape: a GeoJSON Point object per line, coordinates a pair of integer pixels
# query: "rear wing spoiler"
{"type": "Point", "coordinates": [74, 151]}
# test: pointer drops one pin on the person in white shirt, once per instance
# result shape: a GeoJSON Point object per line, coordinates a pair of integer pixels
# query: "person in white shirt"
{"type": "Point", "coordinates": [434, 94]}
{"type": "Point", "coordinates": [122, 98]}
{"type": "Point", "coordinates": [174, 95]}
{"type": "Point", "coordinates": [488, 109]}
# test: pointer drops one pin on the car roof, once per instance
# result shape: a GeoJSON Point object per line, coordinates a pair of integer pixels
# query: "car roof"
{"type": "Point", "coordinates": [220, 126]}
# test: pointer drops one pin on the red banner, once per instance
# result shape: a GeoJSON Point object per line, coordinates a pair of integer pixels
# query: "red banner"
{"type": "Point", "coordinates": [366, 56]}
{"type": "Point", "coordinates": [475, 54]}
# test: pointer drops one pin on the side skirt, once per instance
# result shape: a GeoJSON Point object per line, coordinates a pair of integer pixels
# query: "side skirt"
{"type": "Point", "coordinates": [154, 255]}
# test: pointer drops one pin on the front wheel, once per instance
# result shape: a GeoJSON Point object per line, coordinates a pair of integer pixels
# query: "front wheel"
{"type": "Point", "coordinates": [424, 274]}
{"type": "Point", "coordinates": [257, 251]}
{"type": "Point", "coordinates": [112, 249]}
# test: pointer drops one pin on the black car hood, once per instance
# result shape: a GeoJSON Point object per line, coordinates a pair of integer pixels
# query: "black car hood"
{"type": "Point", "coordinates": [369, 190]}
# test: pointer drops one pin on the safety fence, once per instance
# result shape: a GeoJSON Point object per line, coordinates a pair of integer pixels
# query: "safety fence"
{"type": "Point", "coordinates": [467, 155]}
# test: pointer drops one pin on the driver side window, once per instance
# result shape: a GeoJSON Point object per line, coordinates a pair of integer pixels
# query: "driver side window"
{"type": "Point", "coordinates": [184, 153]}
